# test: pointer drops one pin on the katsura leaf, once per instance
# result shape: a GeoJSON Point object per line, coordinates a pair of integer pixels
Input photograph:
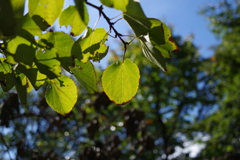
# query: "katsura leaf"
{"type": "Point", "coordinates": [92, 45]}
{"type": "Point", "coordinates": [34, 76]}
{"type": "Point", "coordinates": [21, 83]}
{"type": "Point", "coordinates": [47, 63]}
{"type": "Point", "coordinates": [30, 26]}
{"type": "Point", "coordinates": [151, 53]}
{"type": "Point", "coordinates": [121, 5]}
{"type": "Point", "coordinates": [137, 19]}
{"type": "Point", "coordinates": [63, 44]}
{"type": "Point", "coordinates": [120, 81]}
{"type": "Point", "coordinates": [45, 12]}
{"type": "Point", "coordinates": [86, 75]}
{"type": "Point", "coordinates": [21, 87]}
{"type": "Point", "coordinates": [11, 13]}
{"type": "Point", "coordinates": [5, 72]}
{"type": "Point", "coordinates": [72, 17]}
{"type": "Point", "coordinates": [20, 50]}
{"type": "Point", "coordinates": [169, 45]}
{"type": "Point", "coordinates": [61, 94]}
{"type": "Point", "coordinates": [156, 33]}
{"type": "Point", "coordinates": [4, 66]}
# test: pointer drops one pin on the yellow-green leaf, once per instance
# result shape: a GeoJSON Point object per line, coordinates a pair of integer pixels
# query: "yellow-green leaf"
{"type": "Point", "coordinates": [91, 46]}
{"type": "Point", "coordinates": [120, 81]}
{"type": "Point", "coordinates": [72, 17]}
{"type": "Point", "coordinates": [121, 5]}
{"type": "Point", "coordinates": [61, 94]}
{"type": "Point", "coordinates": [45, 12]}
{"type": "Point", "coordinates": [86, 75]}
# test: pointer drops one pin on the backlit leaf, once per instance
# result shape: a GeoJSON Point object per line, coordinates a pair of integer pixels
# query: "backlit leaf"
{"type": "Point", "coordinates": [92, 45]}
{"type": "Point", "coordinates": [71, 16]}
{"type": "Point", "coordinates": [45, 12]}
{"type": "Point", "coordinates": [30, 26]}
{"type": "Point", "coordinates": [11, 13]}
{"type": "Point", "coordinates": [156, 33]}
{"type": "Point", "coordinates": [34, 76]}
{"type": "Point", "coordinates": [169, 45]}
{"type": "Point", "coordinates": [61, 94]}
{"type": "Point", "coordinates": [5, 78]}
{"type": "Point", "coordinates": [137, 19]}
{"type": "Point", "coordinates": [21, 87]}
{"type": "Point", "coordinates": [152, 54]}
{"type": "Point", "coordinates": [20, 50]}
{"type": "Point", "coordinates": [121, 5]}
{"type": "Point", "coordinates": [86, 75]}
{"type": "Point", "coordinates": [21, 83]}
{"type": "Point", "coordinates": [120, 81]}
{"type": "Point", "coordinates": [4, 66]}
{"type": "Point", "coordinates": [47, 63]}
{"type": "Point", "coordinates": [63, 43]}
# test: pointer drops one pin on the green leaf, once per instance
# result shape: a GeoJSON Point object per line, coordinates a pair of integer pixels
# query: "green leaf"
{"type": "Point", "coordinates": [60, 42]}
{"type": "Point", "coordinates": [120, 81]}
{"type": "Point", "coordinates": [46, 40]}
{"type": "Point", "coordinates": [86, 75]}
{"type": "Point", "coordinates": [35, 77]}
{"type": "Point", "coordinates": [169, 45]}
{"type": "Point", "coordinates": [30, 26]}
{"type": "Point", "coordinates": [92, 45]}
{"type": "Point", "coordinates": [137, 19]}
{"type": "Point", "coordinates": [4, 66]}
{"type": "Point", "coordinates": [5, 71]}
{"type": "Point", "coordinates": [71, 16]}
{"type": "Point", "coordinates": [151, 53]}
{"type": "Point", "coordinates": [21, 87]}
{"type": "Point", "coordinates": [121, 5]}
{"type": "Point", "coordinates": [82, 10]}
{"type": "Point", "coordinates": [156, 33]}
{"type": "Point", "coordinates": [47, 63]}
{"type": "Point", "coordinates": [21, 83]}
{"type": "Point", "coordinates": [63, 43]}
{"type": "Point", "coordinates": [61, 94]}
{"type": "Point", "coordinates": [11, 13]}
{"type": "Point", "coordinates": [45, 12]}
{"type": "Point", "coordinates": [20, 50]}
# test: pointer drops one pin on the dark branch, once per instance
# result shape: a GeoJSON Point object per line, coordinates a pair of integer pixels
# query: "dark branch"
{"type": "Point", "coordinates": [111, 25]}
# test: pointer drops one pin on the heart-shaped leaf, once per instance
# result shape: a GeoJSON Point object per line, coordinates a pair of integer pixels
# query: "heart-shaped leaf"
{"type": "Point", "coordinates": [61, 94]}
{"type": "Point", "coordinates": [120, 81]}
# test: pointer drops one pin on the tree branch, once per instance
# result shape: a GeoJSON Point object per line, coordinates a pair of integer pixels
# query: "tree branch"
{"type": "Point", "coordinates": [111, 25]}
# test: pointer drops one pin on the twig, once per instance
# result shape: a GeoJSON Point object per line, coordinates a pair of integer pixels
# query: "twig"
{"type": "Point", "coordinates": [111, 25]}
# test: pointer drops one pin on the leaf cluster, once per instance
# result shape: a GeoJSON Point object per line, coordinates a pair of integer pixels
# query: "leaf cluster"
{"type": "Point", "coordinates": [34, 54]}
